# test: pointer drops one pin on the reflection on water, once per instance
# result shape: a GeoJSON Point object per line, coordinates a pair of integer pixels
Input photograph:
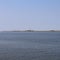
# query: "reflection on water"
{"type": "Point", "coordinates": [30, 46]}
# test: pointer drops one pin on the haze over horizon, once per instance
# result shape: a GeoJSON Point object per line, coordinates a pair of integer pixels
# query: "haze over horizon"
{"type": "Point", "coordinates": [29, 14]}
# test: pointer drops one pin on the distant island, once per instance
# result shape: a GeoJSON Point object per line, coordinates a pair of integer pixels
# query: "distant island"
{"type": "Point", "coordinates": [33, 31]}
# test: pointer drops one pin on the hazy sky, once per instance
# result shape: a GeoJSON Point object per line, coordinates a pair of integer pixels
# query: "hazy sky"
{"type": "Point", "coordinates": [29, 14]}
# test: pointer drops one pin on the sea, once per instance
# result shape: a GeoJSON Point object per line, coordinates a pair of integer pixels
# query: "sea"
{"type": "Point", "coordinates": [29, 45]}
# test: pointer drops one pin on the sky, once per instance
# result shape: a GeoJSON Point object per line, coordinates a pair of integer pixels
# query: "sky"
{"type": "Point", "coordinates": [29, 14]}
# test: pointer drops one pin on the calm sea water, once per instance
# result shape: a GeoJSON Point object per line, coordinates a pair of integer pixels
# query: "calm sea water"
{"type": "Point", "coordinates": [29, 45]}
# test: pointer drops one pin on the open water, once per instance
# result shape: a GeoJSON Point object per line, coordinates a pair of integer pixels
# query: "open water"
{"type": "Point", "coordinates": [29, 45]}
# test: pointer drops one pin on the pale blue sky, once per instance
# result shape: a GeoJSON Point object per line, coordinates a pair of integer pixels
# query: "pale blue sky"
{"type": "Point", "coordinates": [29, 14]}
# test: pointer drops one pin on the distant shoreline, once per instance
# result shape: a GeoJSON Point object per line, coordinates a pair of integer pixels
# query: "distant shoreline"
{"type": "Point", "coordinates": [32, 31]}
